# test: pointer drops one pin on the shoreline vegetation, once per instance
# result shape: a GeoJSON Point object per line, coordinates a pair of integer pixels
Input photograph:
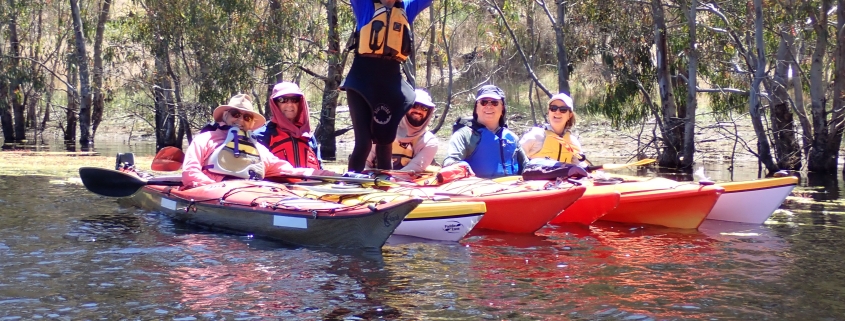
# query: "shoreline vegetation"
{"type": "Point", "coordinates": [666, 72]}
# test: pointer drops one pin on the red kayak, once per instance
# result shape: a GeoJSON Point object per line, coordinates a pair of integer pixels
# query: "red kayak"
{"type": "Point", "coordinates": [513, 208]}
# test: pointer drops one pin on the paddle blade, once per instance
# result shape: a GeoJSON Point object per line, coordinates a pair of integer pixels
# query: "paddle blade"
{"type": "Point", "coordinates": [168, 159]}
{"type": "Point", "coordinates": [637, 163]}
{"type": "Point", "coordinates": [111, 183]}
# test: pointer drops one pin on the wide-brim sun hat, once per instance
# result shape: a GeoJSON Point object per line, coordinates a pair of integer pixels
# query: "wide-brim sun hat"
{"type": "Point", "coordinates": [243, 103]}
{"type": "Point", "coordinates": [564, 98]}
{"type": "Point", "coordinates": [423, 98]}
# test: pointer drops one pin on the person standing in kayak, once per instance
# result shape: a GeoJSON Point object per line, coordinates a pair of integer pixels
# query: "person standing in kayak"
{"type": "Point", "coordinates": [555, 139]}
{"type": "Point", "coordinates": [377, 95]}
{"type": "Point", "coordinates": [415, 147]}
{"type": "Point", "coordinates": [288, 133]}
{"type": "Point", "coordinates": [487, 145]}
{"type": "Point", "coordinates": [225, 149]}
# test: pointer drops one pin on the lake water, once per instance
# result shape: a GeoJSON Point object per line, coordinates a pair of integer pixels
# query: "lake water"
{"type": "Point", "coordinates": [67, 254]}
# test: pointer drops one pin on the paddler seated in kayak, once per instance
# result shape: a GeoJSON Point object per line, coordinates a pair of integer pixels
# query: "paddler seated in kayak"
{"type": "Point", "coordinates": [414, 147]}
{"type": "Point", "coordinates": [487, 145]}
{"type": "Point", "coordinates": [226, 149]}
{"type": "Point", "coordinates": [555, 139]}
{"type": "Point", "coordinates": [288, 133]}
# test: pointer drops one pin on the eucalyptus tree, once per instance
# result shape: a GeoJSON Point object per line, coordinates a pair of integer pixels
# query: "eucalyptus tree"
{"type": "Point", "coordinates": [84, 76]}
{"type": "Point", "coordinates": [98, 99]}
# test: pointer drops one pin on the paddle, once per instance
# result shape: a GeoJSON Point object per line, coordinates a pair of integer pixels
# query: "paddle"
{"type": "Point", "coordinates": [112, 183]}
{"type": "Point", "coordinates": [618, 166]}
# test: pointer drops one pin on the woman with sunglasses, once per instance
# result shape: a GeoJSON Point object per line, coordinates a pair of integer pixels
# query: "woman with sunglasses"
{"type": "Point", "coordinates": [225, 149]}
{"type": "Point", "coordinates": [555, 140]}
{"type": "Point", "coordinates": [288, 133]}
{"type": "Point", "coordinates": [487, 145]}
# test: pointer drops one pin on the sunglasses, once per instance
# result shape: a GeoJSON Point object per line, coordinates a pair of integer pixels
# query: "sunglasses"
{"type": "Point", "coordinates": [420, 107]}
{"type": "Point", "coordinates": [237, 114]}
{"type": "Point", "coordinates": [288, 99]}
{"type": "Point", "coordinates": [495, 103]}
{"type": "Point", "coordinates": [563, 109]}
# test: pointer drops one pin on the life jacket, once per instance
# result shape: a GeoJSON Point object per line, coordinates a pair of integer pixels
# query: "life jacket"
{"type": "Point", "coordinates": [235, 155]}
{"type": "Point", "coordinates": [387, 35]}
{"type": "Point", "coordinates": [297, 151]}
{"type": "Point", "coordinates": [553, 149]}
{"type": "Point", "coordinates": [485, 164]}
{"type": "Point", "coordinates": [402, 153]}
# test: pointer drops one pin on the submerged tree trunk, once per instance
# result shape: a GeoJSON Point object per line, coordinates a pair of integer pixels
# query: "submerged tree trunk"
{"type": "Point", "coordinates": [787, 150]}
{"type": "Point", "coordinates": [325, 130]}
{"type": "Point", "coordinates": [84, 78]}
{"type": "Point", "coordinates": [15, 94]}
{"type": "Point", "coordinates": [820, 159]}
{"type": "Point", "coordinates": [837, 118]}
{"type": "Point", "coordinates": [72, 101]}
{"type": "Point", "coordinates": [670, 155]}
{"type": "Point", "coordinates": [754, 103]}
{"type": "Point", "coordinates": [692, 83]}
{"type": "Point", "coordinates": [98, 102]}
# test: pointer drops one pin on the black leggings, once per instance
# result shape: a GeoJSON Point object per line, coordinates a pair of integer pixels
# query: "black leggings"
{"type": "Point", "coordinates": [369, 129]}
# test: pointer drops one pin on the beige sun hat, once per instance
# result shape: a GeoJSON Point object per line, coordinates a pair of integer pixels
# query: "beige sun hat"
{"type": "Point", "coordinates": [242, 102]}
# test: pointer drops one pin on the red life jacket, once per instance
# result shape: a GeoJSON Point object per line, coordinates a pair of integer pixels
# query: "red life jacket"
{"type": "Point", "coordinates": [298, 152]}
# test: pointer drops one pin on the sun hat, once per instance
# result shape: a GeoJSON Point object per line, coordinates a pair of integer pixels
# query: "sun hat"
{"type": "Point", "coordinates": [243, 103]}
{"type": "Point", "coordinates": [423, 98]}
{"type": "Point", "coordinates": [564, 98]}
{"type": "Point", "coordinates": [490, 91]}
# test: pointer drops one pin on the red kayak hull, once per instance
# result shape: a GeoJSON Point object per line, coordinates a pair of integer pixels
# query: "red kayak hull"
{"type": "Point", "coordinates": [589, 208]}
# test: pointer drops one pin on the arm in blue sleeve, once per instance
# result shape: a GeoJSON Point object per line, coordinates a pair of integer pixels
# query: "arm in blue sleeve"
{"type": "Point", "coordinates": [414, 7]}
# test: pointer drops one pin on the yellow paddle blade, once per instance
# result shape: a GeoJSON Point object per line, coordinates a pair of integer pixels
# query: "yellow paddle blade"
{"type": "Point", "coordinates": [637, 163]}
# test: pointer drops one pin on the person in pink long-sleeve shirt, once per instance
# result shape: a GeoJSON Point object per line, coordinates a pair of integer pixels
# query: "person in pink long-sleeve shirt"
{"type": "Point", "coordinates": [238, 113]}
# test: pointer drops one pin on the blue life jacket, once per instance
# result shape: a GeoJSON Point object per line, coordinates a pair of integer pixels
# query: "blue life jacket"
{"type": "Point", "coordinates": [495, 154]}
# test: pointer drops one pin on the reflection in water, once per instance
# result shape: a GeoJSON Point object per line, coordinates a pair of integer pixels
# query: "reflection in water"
{"type": "Point", "coordinates": [68, 254]}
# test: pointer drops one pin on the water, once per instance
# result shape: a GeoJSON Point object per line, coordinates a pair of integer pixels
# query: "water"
{"type": "Point", "coordinates": [70, 255]}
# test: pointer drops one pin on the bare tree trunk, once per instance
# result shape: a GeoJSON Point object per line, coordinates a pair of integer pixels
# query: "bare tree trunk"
{"type": "Point", "coordinates": [16, 92]}
{"type": "Point", "coordinates": [837, 118]}
{"type": "Point", "coordinates": [754, 104]}
{"type": "Point", "coordinates": [184, 127]}
{"type": "Point", "coordinates": [798, 101]}
{"type": "Point", "coordinates": [98, 103]}
{"type": "Point", "coordinates": [72, 101]}
{"type": "Point", "coordinates": [692, 84]}
{"type": "Point", "coordinates": [820, 159]}
{"type": "Point", "coordinates": [669, 157]}
{"type": "Point", "coordinates": [84, 78]}
{"type": "Point", "coordinates": [787, 151]}
{"type": "Point", "coordinates": [325, 130]}
{"type": "Point", "coordinates": [562, 56]}
{"type": "Point", "coordinates": [431, 41]}
{"type": "Point", "coordinates": [448, 106]}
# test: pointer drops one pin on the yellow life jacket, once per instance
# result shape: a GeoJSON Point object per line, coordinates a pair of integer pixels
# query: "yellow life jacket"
{"type": "Point", "coordinates": [235, 155]}
{"type": "Point", "coordinates": [553, 149]}
{"type": "Point", "coordinates": [387, 35]}
{"type": "Point", "coordinates": [402, 154]}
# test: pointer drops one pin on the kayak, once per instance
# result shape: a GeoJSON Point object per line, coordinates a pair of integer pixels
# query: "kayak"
{"type": "Point", "coordinates": [512, 208]}
{"type": "Point", "coordinates": [678, 206]}
{"type": "Point", "coordinates": [262, 209]}
{"type": "Point", "coordinates": [439, 219]}
{"type": "Point", "coordinates": [752, 201]}
{"type": "Point", "coordinates": [592, 206]}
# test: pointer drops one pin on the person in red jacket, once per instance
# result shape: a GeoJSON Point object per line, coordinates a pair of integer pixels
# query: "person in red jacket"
{"type": "Point", "coordinates": [288, 133]}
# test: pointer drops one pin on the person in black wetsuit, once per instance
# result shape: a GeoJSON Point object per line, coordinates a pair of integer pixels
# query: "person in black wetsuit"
{"type": "Point", "coordinates": [377, 94]}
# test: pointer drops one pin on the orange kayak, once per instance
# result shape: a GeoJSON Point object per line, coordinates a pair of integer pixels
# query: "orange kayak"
{"type": "Point", "coordinates": [592, 206]}
{"type": "Point", "coordinates": [512, 208]}
{"type": "Point", "coordinates": [662, 202]}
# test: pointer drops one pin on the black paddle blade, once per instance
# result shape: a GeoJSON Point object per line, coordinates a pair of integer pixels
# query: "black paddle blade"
{"type": "Point", "coordinates": [109, 182]}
